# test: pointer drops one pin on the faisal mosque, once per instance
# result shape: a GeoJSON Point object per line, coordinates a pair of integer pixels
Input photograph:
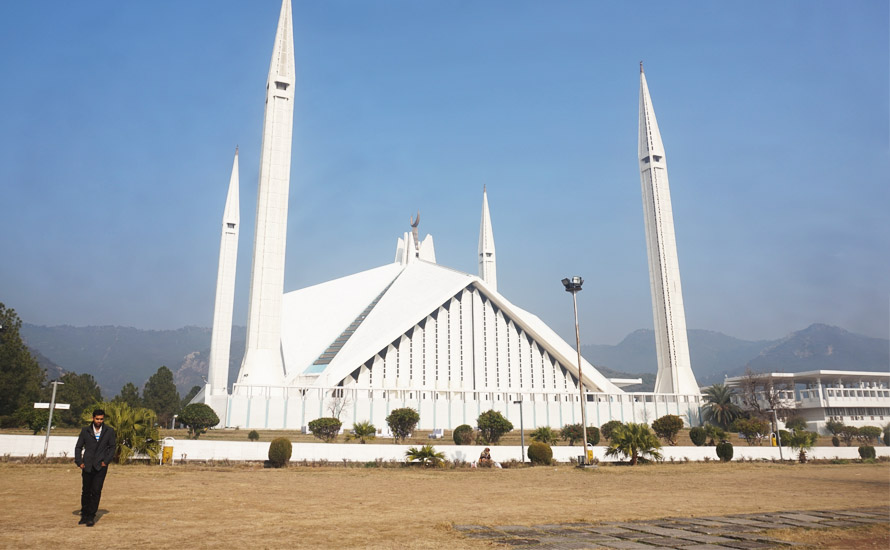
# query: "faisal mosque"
{"type": "Point", "coordinates": [413, 333]}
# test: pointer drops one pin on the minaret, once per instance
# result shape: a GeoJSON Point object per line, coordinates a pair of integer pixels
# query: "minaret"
{"type": "Point", "coordinates": [221, 335]}
{"type": "Point", "coordinates": [674, 371]}
{"type": "Point", "coordinates": [488, 271]}
{"type": "Point", "coordinates": [262, 364]}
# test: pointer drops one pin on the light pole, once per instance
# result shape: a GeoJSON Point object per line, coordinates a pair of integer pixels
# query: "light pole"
{"type": "Point", "coordinates": [49, 423]}
{"type": "Point", "coordinates": [573, 285]}
{"type": "Point", "coordinates": [521, 432]}
{"type": "Point", "coordinates": [173, 422]}
{"type": "Point", "coordinates": [778, 435]}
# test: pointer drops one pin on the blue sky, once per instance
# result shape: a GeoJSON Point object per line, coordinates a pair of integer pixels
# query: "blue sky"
{"type": "Point", "coordinates": [121, 118]}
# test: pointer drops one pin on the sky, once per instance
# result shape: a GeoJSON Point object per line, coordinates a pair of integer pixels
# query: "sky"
{"type": "Point", "coordinates": [120, 120]}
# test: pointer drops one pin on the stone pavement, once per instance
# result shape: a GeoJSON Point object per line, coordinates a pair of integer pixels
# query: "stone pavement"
{"type": "Point", "coordinates": [738, 531]}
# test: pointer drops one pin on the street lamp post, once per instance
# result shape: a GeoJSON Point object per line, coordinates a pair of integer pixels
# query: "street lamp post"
{"type": "Point", "coordinates": [778, 435]}
{"type": "Point", "coordinates": [521, 432]}
{"type": "Point", "coordinates": [173, 422]}
{"type": "Point", "coordinates": [573, 285]}
{"type": "Point", "coordinates": [49, 422]}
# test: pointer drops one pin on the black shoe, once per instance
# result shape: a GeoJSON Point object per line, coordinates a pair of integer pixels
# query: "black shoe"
{"type": "Point", "coordinates": [82, 520]}
{"type": "Point", "coordinates": [91, 522]}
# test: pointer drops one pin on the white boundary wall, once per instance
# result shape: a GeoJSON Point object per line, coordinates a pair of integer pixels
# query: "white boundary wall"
{"type": "Point", "coordinates": [185, 449]}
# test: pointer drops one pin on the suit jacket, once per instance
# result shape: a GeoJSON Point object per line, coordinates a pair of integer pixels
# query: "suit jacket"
{"type": "Point", "coordinates": [92, 453]}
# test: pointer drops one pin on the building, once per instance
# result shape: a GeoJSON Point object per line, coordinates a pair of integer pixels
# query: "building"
{"type": "Point", "coordinates": [856, 398]}
{"type": "Point", "coordinates": [411, 333]}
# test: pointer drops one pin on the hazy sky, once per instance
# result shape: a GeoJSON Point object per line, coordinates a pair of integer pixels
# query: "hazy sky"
{"type": "Point", "coordinates": [120, 120]}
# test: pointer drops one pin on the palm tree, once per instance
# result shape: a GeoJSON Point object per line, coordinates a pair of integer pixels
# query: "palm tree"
{"type": "Point", "coordinates": [362, 431]}
{"type": "Point", "coordinates": [545, 434]}
{"type": "Point", "coordinates": [426, 455]}
{"type": "Point", "coordinates": [802, 441]}
{"type": "Point", "coordinates": [719, 407]}
{"type": "Point", "coordinates": [634, 441]}
{"type": "Point", "coordinates": [135, 429]}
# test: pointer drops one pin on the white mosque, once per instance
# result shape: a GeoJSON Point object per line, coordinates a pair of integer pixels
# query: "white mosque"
{"type": "Point", "coordinates": [413, 333]}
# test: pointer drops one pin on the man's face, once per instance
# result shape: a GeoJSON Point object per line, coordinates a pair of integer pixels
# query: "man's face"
{"type": "Point", "coordinates": [98, 420]}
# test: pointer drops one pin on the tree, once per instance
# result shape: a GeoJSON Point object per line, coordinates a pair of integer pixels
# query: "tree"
{"type": "Point", "coordinates": [753, 429]}
{"type": "Point", "coordinates": [795, 422]}
{"type": "Point", "coordinates": [426, 455]}
{"type": "Point", "coordinates": [253, 435]}
{"type": "Point", "coordinates": [136, 429]}
{"type": "Point", "coordinates": [35, 419]}
{"type": "Point", "coordinates": [834, 427]}
{"type": "Point", "coordinates": [81, 391]}
{"type": "Point", "coordinates": [160, 395]}
{"type": "Point", "coordinates": [667, 427]}
{"type": "Point", "coordinates": [760, 393]}
{"type": "Point", "coordinates": [129, 394]}
{"type": "Point", "coordinates": [21, 378]}
{"type": "Point", "coordinates": [198, 417]}
{"type": "Point", "coordinates": [848, 433]}
{"type": "Point", "coordinates": [573, 433]}
{"type": "Point", "coordinates": [869, 434]}
{"type": "Point", "coordinates": [634, 441]}
{"type": "Point", "coordinates": [719, 408]}
{"type": "Point", "coordinates": [545, 434]}
{"type": "Point", "coordinates": [714, 433]}
{"type": "Point", "coordinates": [189, 396]}
{"type": "Point", "coordinates": [402, 422]}
{"type": "Point", "coordinates": [492, 425]}
{"type": "Point", "coordinates": [362, 431]}
{"type": "Point", "coordinates": [607, 429]}
{"type": "Point", "coordinates": [338, 403]}
{"type": "Point", "coordinates": [326, 429]}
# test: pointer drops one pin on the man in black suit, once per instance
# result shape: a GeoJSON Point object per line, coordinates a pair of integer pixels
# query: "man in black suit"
{"type": "Point", "coordinates": [93, 453]}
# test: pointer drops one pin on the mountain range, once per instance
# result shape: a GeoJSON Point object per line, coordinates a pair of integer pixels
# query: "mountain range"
{"type": "Point", "coordinates": [117, 355]}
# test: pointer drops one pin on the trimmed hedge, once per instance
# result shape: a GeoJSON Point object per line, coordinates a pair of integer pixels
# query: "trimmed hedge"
{"type": "Point", "coordinates": [463, 435]}
{"type": "Point", "coordinates": [724, 451]}
{"type": "Point", "coordinates": [540, 453]}
{"type": "Point", "coordinates": [866, 451]}
{"type": "Point", "coordinates": [698, 436]}
{"type": "Point", "coordinates": [280, 450]}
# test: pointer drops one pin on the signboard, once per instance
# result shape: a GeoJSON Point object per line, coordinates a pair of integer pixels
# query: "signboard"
{"type": "Point", "coordinates": [57, 406]}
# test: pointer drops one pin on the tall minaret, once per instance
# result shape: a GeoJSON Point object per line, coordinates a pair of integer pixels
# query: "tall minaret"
{"type": "Point", "coordinates": [221, 335]}
{"type": "Point", "coordinates": [262, 364]}
{"type": "Point", "coordinates": [674, 371]}
{"type": "Point", "coordinates": [488, 271]}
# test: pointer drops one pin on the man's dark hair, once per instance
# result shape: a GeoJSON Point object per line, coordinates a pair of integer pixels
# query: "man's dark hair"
{"type": "Point", "coordinates": [98, 412]}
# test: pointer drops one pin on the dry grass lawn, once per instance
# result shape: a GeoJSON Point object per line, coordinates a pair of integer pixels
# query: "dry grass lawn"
{"type": "Point", "coordinates": [195, 506]}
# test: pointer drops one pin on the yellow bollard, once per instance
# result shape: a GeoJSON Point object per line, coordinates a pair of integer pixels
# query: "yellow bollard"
{"type": "Point", "coordinates": [167, 458]}
{"type": "Point", "coordinates": [772, 439]}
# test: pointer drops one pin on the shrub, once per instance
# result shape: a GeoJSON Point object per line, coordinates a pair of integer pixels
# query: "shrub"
{"type": "Point", "coordinates": [802, 441]}
{"type": "Point", "coordinates": [253, 435]}
{"type": "Point", "coordinates": [402, 422]}
{"type": "Point", "coordinates": [795, 423]}
{"type": "Point", "coordinates": [667, 427]}
{"type": "Point", "coordinates": [866, 451]}
{"type": "Point", "coordinates": [280, 450]}
{"type": "Point", "coordinates": [540, 453]}
{"type": "Point", "coordinates": [753, 429]}
{"type": "Point", "coordinates": [698, 436]}
{"type": "Point", "coordinates": [724, 451]}
{"type": "Point", "coordinates": [593, 435]}
{"type": "Point", "coordinates": [714, 434]}
{"type": "Point", "coordinates": [887, 435]}
{"type": "Point", "coordinates": [607, 429]}
{"type": "Point", "coordinates": [492, 425]}
{"type": "Point", "coordinates": [545, 434]}
{"type": "Point", "coordinates": [136, 430]}
{"type": "Point", "coordinates": [463, 435]}
{"type": "Point", "coordinates": [326, 429]}
{"type": "Point", "coordinates": [198, 417]}
{"type": "Point", "coordinates": [835, 441]}
{"type": "Point", "coordinates": [869, 434]}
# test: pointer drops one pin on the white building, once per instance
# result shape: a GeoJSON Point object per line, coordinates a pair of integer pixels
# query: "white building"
{"type": "Point", "coordinates": [410, 333]}
{"type": "Point", "coordinates": [856, 398]}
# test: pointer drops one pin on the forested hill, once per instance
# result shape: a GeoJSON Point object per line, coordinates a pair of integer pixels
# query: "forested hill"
{"type": "Point", "coordinates": [117, 355]}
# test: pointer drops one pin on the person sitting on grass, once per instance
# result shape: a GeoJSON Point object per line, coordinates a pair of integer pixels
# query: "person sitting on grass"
{"type": "Point", "coordinates": [485, 458]}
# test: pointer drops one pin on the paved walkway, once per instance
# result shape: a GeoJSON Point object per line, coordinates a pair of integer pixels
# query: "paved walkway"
{"type": "Point", "coordinates": [739, 531]}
